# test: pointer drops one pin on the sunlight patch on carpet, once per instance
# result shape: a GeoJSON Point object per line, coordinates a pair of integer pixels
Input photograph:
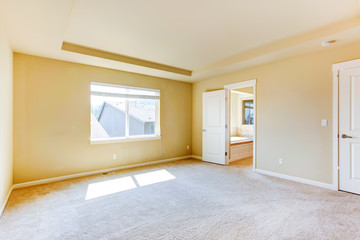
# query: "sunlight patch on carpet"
{"type": "Point", "coordinates": [117, 185]}
{"type": "Point", "coordinates": [100, 189]}
{"type": "Point", "coordinates": [153, 177]}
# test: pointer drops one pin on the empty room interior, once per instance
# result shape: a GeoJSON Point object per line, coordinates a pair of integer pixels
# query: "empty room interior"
{"type": "Point", "coordinates": [233, 119]}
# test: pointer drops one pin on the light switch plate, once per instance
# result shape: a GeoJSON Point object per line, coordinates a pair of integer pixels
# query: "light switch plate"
{"type": "Point", "coordinates": [324, 122]}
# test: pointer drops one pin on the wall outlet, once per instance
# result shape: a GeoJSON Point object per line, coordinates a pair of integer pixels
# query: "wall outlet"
{"type": "Point", "coordinates": [114, 156]}
{"type": "Point", "coordinates": [187, 147]}
{"type": "Point", "coordinates": [281, 161]}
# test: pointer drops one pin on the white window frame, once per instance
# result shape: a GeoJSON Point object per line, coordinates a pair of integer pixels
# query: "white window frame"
{"type": "Point", "coordinates": [127, 138]}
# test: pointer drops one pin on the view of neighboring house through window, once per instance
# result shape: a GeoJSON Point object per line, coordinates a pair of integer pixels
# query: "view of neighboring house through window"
{"type": "Point", "coordinates": [121, 112]}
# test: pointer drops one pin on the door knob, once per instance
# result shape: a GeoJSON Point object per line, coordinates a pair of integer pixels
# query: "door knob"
{"type": "Point", "coordinates": [204, 130]}
{"type": "Point", "coordinates": [345, 136]}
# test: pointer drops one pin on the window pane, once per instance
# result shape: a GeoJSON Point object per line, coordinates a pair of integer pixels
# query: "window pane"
{"type": "Point", "coordinates": [142, 116]}
{"type": "Point", "coordinates": [107, 89]}
{"type": "Point", "coordinates": [249, 116]}
{"type": "Point", "coordinates": [108, 117]}
{"type": "Point", "coordinates": [249, 103]}
{"type": "Point", "coordinates": [143, 92]}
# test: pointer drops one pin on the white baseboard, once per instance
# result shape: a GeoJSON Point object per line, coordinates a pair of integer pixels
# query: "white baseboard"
{"type": "Point", "coordinates": [196, 157]}
{"type": "Point", "coordinates": [3, 206]}
{"type": "Point", "coordinates": [55, 179]}
{"type": "Point", "coordinates": [297, 179]}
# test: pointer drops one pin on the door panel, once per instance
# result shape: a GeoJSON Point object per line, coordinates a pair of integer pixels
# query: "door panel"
{"type": "Point", "coordinates": [213, 111]}
{"type": "Point", "coordinates": [213, 143]}
{"type": "Point", "coordinates": [349, 130]}
{"type": "Point", "coordinates": [355, 103]}
{"type": "Point", "coordinates": [355, 163]}
{"type": "Point", "coordinates": [214, 127]}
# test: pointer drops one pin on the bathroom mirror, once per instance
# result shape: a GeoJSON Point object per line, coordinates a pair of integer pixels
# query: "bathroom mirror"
{"type": "Point", "coordinates": [248, 112]}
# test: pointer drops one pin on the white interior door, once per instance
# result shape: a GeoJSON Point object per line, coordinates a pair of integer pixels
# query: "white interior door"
{"type": "Point", "coordinates": [214, 127]}
{"type": "Point", "coordinates": [349, 130]}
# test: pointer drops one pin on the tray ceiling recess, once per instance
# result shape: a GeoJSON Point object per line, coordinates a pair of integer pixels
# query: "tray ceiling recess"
{"type": "Point", "coordinates": [122, 58]}
{"type": "Point", "coordinates": [179, 40]}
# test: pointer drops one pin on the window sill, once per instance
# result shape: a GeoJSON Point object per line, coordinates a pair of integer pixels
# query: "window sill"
{"type": "Point", "coordinates": [128, 139]}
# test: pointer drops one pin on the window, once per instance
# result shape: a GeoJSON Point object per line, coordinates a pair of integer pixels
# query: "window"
{"type": "Point", "coordinates": [124, 113]}
{"type": "Point", "coordinates": [248, 112]}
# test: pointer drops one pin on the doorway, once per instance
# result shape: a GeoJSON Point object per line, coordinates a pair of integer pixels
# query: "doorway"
{"type": "Point", "coordinates": [241, 119]}
{"type": "Point", "coordinates": [216, 132]}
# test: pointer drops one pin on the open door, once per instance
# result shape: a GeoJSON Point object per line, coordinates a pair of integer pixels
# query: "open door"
{"type": "Point", "coordinates": [214, 141]}
{"type": "Point", "coordinates": [349, 129]}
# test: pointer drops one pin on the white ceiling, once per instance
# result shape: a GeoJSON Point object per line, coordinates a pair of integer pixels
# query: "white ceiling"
{"type": "Point", "coordinates": [209, 37]}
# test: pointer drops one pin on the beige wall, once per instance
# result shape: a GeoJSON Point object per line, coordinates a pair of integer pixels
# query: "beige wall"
{"type": "Point", "coordinates": [52, 116]}
{"type": "Point", "coordinates": [292, 97]}
{"type": "Point", "coordinates": [52, 109]}
{"type": "Point", "coordinates": [235, 109]}
{"type": "Point", "coordinates": [6, 119]}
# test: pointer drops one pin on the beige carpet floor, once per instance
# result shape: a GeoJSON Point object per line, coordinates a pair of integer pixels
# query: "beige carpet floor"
{"type": "Point", "coordinates": [180, 200]}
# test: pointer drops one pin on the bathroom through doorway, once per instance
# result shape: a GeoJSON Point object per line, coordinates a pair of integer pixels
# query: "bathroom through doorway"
{"type": "Point", "coordinates": [242, 120]}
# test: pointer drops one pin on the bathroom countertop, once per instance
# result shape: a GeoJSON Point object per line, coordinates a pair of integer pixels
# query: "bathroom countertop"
{"type": "Point", "coordinates": [240, 140]}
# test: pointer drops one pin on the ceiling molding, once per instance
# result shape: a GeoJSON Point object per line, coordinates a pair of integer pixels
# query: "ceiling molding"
{"type": "Point", "coordinates": [122, 58]}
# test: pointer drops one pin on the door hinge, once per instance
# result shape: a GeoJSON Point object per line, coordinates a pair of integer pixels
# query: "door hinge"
{"type": "Point", "coordinates": [225, 153]}
{"type": "Point", "coordinates": [225, 125]}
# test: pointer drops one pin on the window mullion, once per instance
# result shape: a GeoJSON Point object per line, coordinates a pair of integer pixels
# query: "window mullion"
{"type": "Point", "coordinates": [157, 118]}
{"type": "Point", "coordinates": [127, 118]}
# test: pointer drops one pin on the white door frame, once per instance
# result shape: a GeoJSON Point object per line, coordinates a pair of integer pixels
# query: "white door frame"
{"type": "Point", "coordinates": [244, 84]}
{"type": "Point", "coordinates": [336, 68]}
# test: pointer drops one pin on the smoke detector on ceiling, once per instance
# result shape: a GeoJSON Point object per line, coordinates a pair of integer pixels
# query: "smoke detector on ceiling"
{"type": "Point", "coordinates": [328, 43]}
